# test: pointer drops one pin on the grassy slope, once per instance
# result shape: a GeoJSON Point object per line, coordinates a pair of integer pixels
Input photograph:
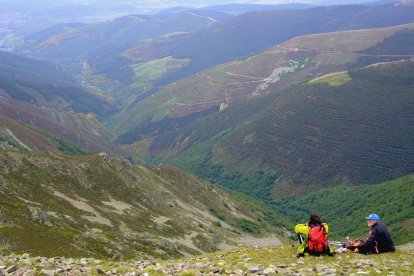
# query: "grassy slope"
{"type": "Point", "coordinates": [247, 260]}
{"type": "Point", "coordinates": [96, 206]}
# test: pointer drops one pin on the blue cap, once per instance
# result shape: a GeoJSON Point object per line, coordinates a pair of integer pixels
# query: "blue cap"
{"type": "Point", "coordinates": [373, 217]}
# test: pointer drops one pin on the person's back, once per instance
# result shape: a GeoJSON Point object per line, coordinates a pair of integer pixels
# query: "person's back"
{"type": "Point", "coordinates": [313, 237]}
{"type": "Point", "coordinates": [384, 241]}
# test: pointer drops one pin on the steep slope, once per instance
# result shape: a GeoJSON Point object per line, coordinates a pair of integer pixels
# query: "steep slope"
{"type": "Point", "coordinates": [37, 97]}
{"type": "Point", "coordinates": [25, 123]}
{"type": "Point", "coordinates": [352, 127]}
{"type": "Point", "coordinates": [42, 84]}
{"type": "Point", "coordinates": [278, 67]}
{"type": "Point", "coordinates": [18, 136]}
{"type": "Point", "coordinates": [96, 206]}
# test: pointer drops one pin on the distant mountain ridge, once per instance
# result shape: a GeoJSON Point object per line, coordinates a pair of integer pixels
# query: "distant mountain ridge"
{"type": "Point", "coordinates": [227, 40]}
{"type": "Point", "coordinates": [194, 39]}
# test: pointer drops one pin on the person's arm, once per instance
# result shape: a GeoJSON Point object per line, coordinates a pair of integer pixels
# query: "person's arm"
{"type": "Point", "coordinates": [326, 227]}
{"type": "Point", "coordinates": [302, 229]}
{"type": "Point", "coordinates": [369, 243]}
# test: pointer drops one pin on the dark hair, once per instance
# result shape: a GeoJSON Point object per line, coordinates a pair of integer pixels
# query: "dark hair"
{"type": "Point", "coordinates": [314, 219]}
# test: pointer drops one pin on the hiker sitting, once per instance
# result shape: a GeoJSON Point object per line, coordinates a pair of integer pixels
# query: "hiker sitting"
{"type": "Point", "coordinates": [313, 237]}
{"type": "Point", "coordinates": [379, 239]}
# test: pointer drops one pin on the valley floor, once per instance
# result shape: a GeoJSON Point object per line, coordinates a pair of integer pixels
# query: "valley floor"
{"type": "Point", "coordinates": [243, 261]}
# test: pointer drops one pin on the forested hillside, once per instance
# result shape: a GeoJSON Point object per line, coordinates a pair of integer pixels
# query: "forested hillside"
{"type": "Point", "coordinates": [344, 208]}
{"type": "Point", "coordinates": [348, 128]}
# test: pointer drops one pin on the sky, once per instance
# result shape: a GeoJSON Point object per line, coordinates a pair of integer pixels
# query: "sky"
{"type": "Point", "coordinates": [169, 3]}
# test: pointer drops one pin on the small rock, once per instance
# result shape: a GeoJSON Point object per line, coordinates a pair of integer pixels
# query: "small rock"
{"type": "Point", "coordinates": [254, 269]}
{"type": "Point", "coordinates": [25, 256]}
{"type": "Point", "coordinates": [39, 216]}
{"type": "Point", "coordinates": [215, 270]}
{"type": "Point", "coordinates": [282, 266]}
{"type": "Point", "coordinates": [47, 272]}
{"type": "Point", "coordinates": [206, 265]}
{"type": "Point", "coordinates": [11, 269]}
{"type": "Point", "coordinates": [100, 271]}
{"type": "Point", "coordinates": [30, 273]}
{"type": "Point", "coordinates": [269, 271]}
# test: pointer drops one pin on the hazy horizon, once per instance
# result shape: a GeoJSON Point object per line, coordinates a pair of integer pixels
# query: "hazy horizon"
{"type": "Point", "coordinates": [168, 4]}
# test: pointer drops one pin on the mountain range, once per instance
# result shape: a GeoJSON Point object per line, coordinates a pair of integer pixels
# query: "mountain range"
{"type": "Point", "coordinates": [285, 110]}
{"type": "Point", "coordinates": [262, 135]}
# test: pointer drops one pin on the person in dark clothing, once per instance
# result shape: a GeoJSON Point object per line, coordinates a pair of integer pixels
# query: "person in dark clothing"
{"type": "Point", "coordinates": [379, 239]}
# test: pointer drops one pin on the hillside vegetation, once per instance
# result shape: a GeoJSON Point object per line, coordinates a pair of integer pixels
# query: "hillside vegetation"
{"type": "Point", "coordinates": [100, 207]}
{"type": "Point", "coordinates": [307, 137]}
{"type": "Point", "coordinates": [228, 40]}
{"type": "Point", "coordinates": [296, 60]}
{"type": "Point", "coordinates": [344, 208]}
{"type": "Point", "coordinates": [41, 83]}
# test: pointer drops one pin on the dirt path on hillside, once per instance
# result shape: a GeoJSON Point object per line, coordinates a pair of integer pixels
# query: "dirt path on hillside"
{"type": "Point", "coordinates": [286, 49]}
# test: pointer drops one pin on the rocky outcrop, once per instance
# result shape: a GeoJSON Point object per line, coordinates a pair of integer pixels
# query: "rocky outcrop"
{"type": "Point", "coordinates": [243, 261]}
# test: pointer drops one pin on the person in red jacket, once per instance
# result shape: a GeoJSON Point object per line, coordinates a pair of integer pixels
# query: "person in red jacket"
{"type": "Point", "coordinates": [379, 239]}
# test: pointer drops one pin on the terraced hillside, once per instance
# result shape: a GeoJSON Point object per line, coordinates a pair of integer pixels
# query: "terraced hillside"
{"type": "Point", "coordinates": [306, 137]}
{"type": "Point", "coordinates": [276, 68]}
{"type": "Point", "coordinates": [96, 206]}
